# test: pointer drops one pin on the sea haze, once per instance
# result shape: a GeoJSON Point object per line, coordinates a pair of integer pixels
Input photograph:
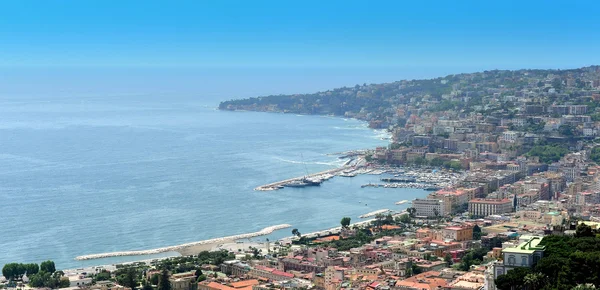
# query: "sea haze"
{"type": "Point", "coordinates": [82, 176]}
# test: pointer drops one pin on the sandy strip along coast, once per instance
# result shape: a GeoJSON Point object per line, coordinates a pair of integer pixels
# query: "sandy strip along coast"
{"type": "Point", "coordinates": [182, 247]}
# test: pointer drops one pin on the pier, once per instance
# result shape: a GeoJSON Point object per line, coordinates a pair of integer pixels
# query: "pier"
{"type": "Point", "coordinates": [319, 175]}
{"type": "Point", "coordinates": [262, 232]}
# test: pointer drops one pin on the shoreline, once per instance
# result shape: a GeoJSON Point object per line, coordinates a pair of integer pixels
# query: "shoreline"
{"type": "Point", "coordinates": [230, 244]}
{"type": "Point", "coordinates": [213, 244]}
{"type": "Point", "coordinates": [387, 130]}
{"type": "Point", "coordinates": [185, 247]}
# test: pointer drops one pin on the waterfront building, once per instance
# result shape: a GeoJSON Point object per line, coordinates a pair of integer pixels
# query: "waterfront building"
{"type": "Point", "coordinates": [486, 206]}
{"type": "Point", "coordinates": [429, 207]}
{"type": "Point", "coordinates": [78, 280]}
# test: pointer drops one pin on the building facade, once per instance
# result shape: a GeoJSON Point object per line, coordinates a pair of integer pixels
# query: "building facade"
{"type": "Point", "coordinates": [486, 207]}
{"type": "Point", "coordinates": [429, 207]}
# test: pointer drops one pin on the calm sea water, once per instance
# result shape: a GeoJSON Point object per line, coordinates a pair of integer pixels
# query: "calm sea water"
{"type": "Point", "coordinates": [82, 176]}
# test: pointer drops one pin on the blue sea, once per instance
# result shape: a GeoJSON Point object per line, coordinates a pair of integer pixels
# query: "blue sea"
{"type": "Point", "coordinates": [113, 173]}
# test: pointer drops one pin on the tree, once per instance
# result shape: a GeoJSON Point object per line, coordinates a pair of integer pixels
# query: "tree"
{"type": "Point", "coordinates": [102, 276]}
{"type": "Point", "coordinates": [201, 278]}
{"type": "Point", "coordinates": [32, 268]}
{"type": "Point", "coordinates": [566, 130]}
{"type": "Point", "coordinates": [38, 280]}
{"type": "Point", "coordinates": [405, 218]}
{"type": "Point", "coordinates": [154, 279]}
{"type": "Point", "coordinates": [9, 270]}
{"type": "Point", "coordinates": [295, 232]}
{"type": "Point", "coordinates": [448, 259]}
{"type": "Point", "coordinates": [64, 282]}
{"type": "Point", "coordinates": [534, 281]}
{"type": "Point", "coordinates": [548, 153]}
{"type": "Point", "coordinates": [198, 273]}
{"type": "Point", "coordinates": [164, 283]}
{"type": "Point", "coordinates": [48, 266]}
{"type": "Point", "coordinates": [416, 269]}
{"type": "Point", "coordinates": [588, 286]}
{"type": "Point", "coordinates": [513, 279]}
{"type": "Point", "coordinates": [595, 154]}
{"type": "Point", "coordinates": [411, 211]}
{"type": "Point", "coordinates": [128, 278]}
{"type": "Point", "coordinates": [557, 84]}
{"type": "Point", "coordinates": [476, 233]}
{"type": "Point", "coordinates": [147, 287]}
{"type": "Point", "coordinates": [345, 222]}
{"type": "Point", "coordinates": [583, 230]}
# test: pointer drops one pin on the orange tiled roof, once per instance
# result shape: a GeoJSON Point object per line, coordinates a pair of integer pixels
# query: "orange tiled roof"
{"type": "Point", "coordinates": [427, 280]}
{"type": "Point", "coordinates": [328, 239]}
{"type": "Point", "coordinates": [390, 227]}
{"type": "Point", "coordinates": [245, 283]}
{"type": "Point", "coordinates": [218, 286]}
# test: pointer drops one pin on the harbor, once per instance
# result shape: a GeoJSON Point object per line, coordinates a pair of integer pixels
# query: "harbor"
{"type": "Point", "coordinates": [309, 180]}
{"type": "Point", "coordinates": [419, 178]}
{"type": "Point", "coordinates": [416, 185]}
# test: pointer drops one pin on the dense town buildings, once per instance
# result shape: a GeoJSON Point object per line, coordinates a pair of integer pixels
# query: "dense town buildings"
{"type": "Point", "coordinates": [522, 145]}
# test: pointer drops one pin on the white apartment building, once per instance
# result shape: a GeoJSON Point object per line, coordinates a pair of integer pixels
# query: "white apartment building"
{"type": "Point", "coordinates": [429, 207]}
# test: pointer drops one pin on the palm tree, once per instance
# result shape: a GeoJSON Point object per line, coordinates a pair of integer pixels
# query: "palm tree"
{"type": "Point", "coordinates": [295, 232]}
{"type": "Point", "coordinates": [584, 287]}
{"type": "Point", "coordinates": [534, 281]}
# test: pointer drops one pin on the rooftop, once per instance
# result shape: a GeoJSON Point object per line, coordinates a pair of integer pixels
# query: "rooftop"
{"type": "Point", "coordinates": [527, 247]}
{"type": "Point", "coordinates": [490, 200]}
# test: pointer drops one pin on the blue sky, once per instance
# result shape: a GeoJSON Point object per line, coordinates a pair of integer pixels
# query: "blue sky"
{"type": "Point", "coordinates": [346, 36]}
{"type": "Point", "coordinates": [299, 33]}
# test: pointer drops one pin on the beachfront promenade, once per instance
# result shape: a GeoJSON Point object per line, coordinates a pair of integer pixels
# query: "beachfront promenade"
{"type": "Point", "coordinates": [262, 232]}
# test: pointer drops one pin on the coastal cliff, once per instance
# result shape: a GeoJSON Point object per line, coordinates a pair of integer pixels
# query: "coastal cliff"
{"type": "Point", "coordinates": [392, 104]}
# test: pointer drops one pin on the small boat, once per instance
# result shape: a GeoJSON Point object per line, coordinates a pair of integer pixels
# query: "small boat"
{"type": "Point", "coordinates": [296, 184]}
{"type": "Point", "coordinates": [407, 179]}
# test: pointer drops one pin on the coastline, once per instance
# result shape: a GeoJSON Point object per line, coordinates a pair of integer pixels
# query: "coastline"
{"type": "Point", "coordinates": [196, 247]}
{"type": "Point", "coordinates": [233, 245]}
{"type": "Point", "coordinates": [187, 247]}
{"type": "Point", "coordinates": [388, 132]}
{"type": "Point", "coordinates": [214, 244]}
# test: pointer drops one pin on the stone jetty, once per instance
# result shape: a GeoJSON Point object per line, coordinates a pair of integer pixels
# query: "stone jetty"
{"type": "Point", "coordinates": [321, 176]}
{"type": "Point", "coordinates": [374, 213]}
{"type": "Point", "coordinates": [262, 232]}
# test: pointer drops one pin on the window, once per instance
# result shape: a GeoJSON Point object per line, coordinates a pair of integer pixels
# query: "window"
{"type": "Point", "coordinates": [524, 261]}
{"type": "Point", "coordinates": [511, 260]}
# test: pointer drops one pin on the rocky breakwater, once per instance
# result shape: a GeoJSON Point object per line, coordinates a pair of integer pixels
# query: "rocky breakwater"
{"type": "Point", "coordinates": [374, 213]}
{"type": "Point", "coordinates": [262, 232]}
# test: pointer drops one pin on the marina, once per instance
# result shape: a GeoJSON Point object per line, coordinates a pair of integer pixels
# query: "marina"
{"type": "Point", "coordinates": [416, 185]}
{"type": "Point", "coordinates": [426, 179]}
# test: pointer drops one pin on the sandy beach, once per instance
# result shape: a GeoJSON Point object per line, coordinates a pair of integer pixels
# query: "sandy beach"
{"type": "Point", "coordinates": [195, 249]}
{"type": "Point", "coordinates": [188, 248]}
